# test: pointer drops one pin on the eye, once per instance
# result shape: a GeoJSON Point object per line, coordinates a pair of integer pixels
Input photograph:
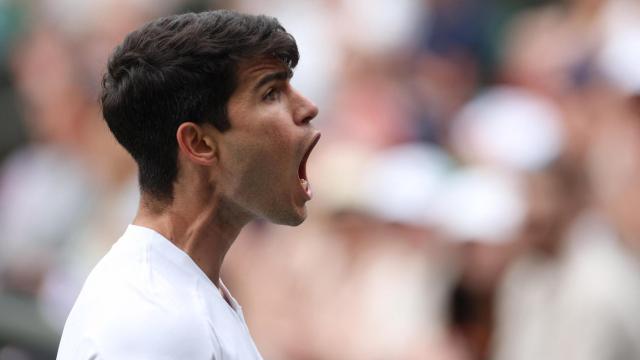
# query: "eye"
{"type": "Point", "coordinates": [272, 94]}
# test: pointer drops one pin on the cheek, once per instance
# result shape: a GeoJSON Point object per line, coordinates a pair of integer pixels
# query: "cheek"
{"type": "Point", "coordinates": [262, 162]}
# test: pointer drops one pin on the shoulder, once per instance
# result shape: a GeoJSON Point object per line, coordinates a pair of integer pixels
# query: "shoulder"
{"type": "Point", "coordinates": [151, 329]}
{"type": "Point", "coordinates": [147, 335]}
{"type": "Point", "coordinates": [155, 332]}
{"type": "Point", "coordinates": [139, 317]}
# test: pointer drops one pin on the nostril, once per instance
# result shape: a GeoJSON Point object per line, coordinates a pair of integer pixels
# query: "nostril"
{"type": "Point", "coordinates": [307, 114]}
{"type": "Point", "coordinates": [311, 114]}
{"type": "Point", "coordinates": [308, 119]}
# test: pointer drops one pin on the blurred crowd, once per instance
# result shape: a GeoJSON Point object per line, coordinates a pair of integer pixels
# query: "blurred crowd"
{"type": "Point", "coordinates": [476, 189]}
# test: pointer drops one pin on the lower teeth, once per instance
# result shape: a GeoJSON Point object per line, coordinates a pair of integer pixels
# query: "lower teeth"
{"type": "Point", "coordinates": [305, 184]}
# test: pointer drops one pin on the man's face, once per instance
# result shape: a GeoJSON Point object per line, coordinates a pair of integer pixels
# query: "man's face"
{"type": "Point", "coordinates": [263, 155]}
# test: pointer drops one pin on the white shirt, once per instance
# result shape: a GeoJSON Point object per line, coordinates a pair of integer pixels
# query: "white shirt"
{"type": "Point", "coordinates": [147, 299]}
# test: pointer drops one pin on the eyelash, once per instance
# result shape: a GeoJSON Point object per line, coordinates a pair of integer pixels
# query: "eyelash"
{"type": "Point", "coordinates": [272, 94]}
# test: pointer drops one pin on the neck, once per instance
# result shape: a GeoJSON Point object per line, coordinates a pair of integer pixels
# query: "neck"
{"type": "Point", "coordinates": [203, 225]}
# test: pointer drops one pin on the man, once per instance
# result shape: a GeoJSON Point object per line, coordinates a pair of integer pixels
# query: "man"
{"type": "Point", "coordinates": [203, 104]}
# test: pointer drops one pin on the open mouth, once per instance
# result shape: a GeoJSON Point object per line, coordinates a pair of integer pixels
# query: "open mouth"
{"type": "Point", "coordinates": [302, 169]}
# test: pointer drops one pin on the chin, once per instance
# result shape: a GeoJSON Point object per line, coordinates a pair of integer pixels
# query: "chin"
{"type": "Point", "coordinates": [293, 218]}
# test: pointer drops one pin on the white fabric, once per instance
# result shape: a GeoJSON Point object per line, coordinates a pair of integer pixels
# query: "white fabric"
{"type": "Point", "coordinates": [147, 299]}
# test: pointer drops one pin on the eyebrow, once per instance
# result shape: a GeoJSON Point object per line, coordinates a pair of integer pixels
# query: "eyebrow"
{"type": "Point", "coordinates": [274, 76]}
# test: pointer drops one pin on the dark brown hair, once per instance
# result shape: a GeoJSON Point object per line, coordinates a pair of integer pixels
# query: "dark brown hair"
{"type": "Point", "coordinates": [181, 68]}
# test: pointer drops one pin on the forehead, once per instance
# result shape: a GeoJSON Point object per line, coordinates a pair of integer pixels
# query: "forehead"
{"type": "Point", "coordinates": [251, 72]}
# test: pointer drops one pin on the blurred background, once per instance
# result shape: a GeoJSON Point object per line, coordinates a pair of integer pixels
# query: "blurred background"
{"type": "Point", "coordinates": [477, 186]}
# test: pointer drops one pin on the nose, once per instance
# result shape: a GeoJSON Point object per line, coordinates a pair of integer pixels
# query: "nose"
{"type": "Point", "coordinates": [305, 110]}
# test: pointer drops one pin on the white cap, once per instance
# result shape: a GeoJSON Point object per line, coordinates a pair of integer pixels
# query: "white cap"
{"type": "Point", "coordinates": [619, 57]}
{"type": "Point", "coordinates": [401, 184]}
{"type": "Point", "coordinates": [482, 204]}
{"type": "Point", "coordinates": [508, 127]}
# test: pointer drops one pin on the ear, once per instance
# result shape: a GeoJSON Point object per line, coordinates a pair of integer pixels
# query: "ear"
{"type": "Point", "coordinates": [196, 144]}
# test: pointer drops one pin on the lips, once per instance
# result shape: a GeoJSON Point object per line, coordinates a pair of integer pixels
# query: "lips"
{"type": "Point", "coordinates": [302, 168]}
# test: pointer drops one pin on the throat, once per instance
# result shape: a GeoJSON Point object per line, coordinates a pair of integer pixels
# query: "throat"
{"type": "Point", "coordinates": [203, 233]}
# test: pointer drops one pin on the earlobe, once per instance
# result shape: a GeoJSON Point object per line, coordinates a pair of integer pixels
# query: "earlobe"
{"type": "Point", "coordinates": [196, 144]}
